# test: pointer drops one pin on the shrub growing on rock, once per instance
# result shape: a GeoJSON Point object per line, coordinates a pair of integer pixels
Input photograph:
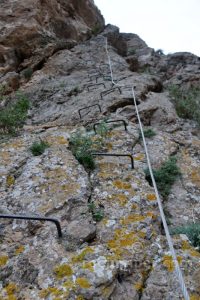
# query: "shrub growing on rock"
{"type": "Point", "coordinates": [187, 103]}
{"type": "Point", "coordinates": [13, 116]}
{"type": "Point", "coordinates": [38, 148]}
{"type": "Point", "coordinates": [165, 176]}
{"type": "Point", "coordinates": [192, 231]}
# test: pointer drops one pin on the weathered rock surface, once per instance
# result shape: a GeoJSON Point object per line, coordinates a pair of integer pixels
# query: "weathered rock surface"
{"type": "Point", "coordinates": [31, 31]}
{"type": "Point", "coordinates": [125, 254]}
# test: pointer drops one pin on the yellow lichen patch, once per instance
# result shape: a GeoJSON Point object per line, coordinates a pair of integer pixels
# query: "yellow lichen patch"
{"type": "Point", "coordinates": [120, 198]}
{"type": "Point", "coordinates": [83, 282]}
{"type": "Point", "coordinates": [195, 176]}
{"type": "Point", "coordinates": [131, 219]}
{"type": "Point", "coordinates": [109, 146]}
{"type": "Point", "coordinates": [127, 242]}
{"type": "Point", "coordinates": [139, 157]}
{"type": "Point", "coordinates": [82, 255]}
{"type": "Point", "coordinates": [51, 291]}
{"type": "Point", "coordinates": [151, 197]}
{"type": "Point", "coordinates": [19, 250]}
{"type": "Point", "coordinates": [79, 297]}
{"type": "Point", "coordinates": [194, 297]}
{"type": "Point", "coordinates": [11, 288]}
{"type": "Point", "coordinates": [88, 266]}
{"type": "Point", "coordinates": [3, 260]}
{"type": "Point", "coordinates": [194, 253]}
{"type": "Point", "coordinates": [151, 215]}
{"type": "Point", "coordinates": [138, 286]}
{"type": "Point", "coordinates": [69, 285]}
{"type": "Point", "coordinates": [134, 206]}
{"type": "Point", "coordinates": [185, 245]}
{"type": "Point", "coordinates": [121, 185]}
{"type": "Point", "coordinates": [63, 271]}
{"type": "Point", "coordinates": [56, 140]}
{"type": "Point", "coordinates": [168, 262]}
{"type": "Point", "coordinates": [10, 180]}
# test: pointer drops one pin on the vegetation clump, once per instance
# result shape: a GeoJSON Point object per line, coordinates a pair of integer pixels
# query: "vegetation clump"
{"type": "Point", "coordinates": [13, 116]}
{"type": "Point", "coordinates": [38, 148]}
{"type": "Point", "coordinates": [187, 103]}
{"type": "Point", "coordinates": [74, 92]}
{"type": "Point", "coordinates": [27, 73]}
{"type": "Point", "coordinates": [97, 213]}
{"type": "Point", "coordinates": [165, 176]}
{"type": "Point", "coordinates": [96, 29]}
{"type": "Point", "coordinates": [147, 133]}
{"type": "Point", "coordinates": [192, 231]}
{"type": "Point", "coordinates": [81, 146]}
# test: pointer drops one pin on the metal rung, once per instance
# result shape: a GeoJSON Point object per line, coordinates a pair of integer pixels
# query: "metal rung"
{"type": "Point", "coordinates": [79, 111]}
{"type": "Point", "coordinates": [19, 217]}
{"type": "Point", "coordinates": [115, 154]}
{"type": "Point", "coordinates": [95, 84]}
{"type": "Point", "coordinates": [110, 121]}
{"type": "Point", "coordinates": [110, 91]}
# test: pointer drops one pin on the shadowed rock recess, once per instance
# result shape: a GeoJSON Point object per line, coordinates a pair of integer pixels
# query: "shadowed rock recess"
{"type": "Point", "coordinates": [113, 245]}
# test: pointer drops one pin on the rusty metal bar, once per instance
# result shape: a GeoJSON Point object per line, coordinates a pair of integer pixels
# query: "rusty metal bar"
{"type": "Point", "coordinates": [110, 121]}
{"type": "Point", "coordinates": [21, 217]}
{"type": "Point", "coordinates": [104, 93]}
{"type": "Point", "coordinates": [95, 84]}
{"type": "Point", "coordinates": [79, 111]}
{"type": "Point", "coordinates": [115, 154]}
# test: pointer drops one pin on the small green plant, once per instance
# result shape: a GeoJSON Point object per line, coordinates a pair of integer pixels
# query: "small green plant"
{"type": "Point", "coordinates": [165, 176]}
{"type": "Point", "coordinates": [102, 129]}
{"type": "Point", "coordinates": [147, 133]}
{"type": "Point", "coordinates": [74, 92]}
{"type": "Point", "coordinates": [187, 103]}
{"type": "Point", "coordinates": [192, 231]}
{"type": "Point", "coordinates": [131, 52]}
{"type": "Point", "coordinates": [38, 148]}
{"type": "Point", "coordinates": [14, 115]}
{"type": "Point", "coordinates": [2, 91]}
{"type": "Point", "coordinates": [96, 29]}
{"type": "Point", "coordinates": [82, 147]}
{"type": "Point", "coordinates": [97, 213]}
{"type": "Point", "coordinates": [27, 73]}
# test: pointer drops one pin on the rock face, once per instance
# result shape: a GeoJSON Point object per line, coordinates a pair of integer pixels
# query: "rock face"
{"type": "Point", "coordinates": [31, 31]}
{"type": "Point", "coordinates": [113, 245]}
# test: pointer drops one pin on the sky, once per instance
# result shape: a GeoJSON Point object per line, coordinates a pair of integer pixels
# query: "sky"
{"type": "Point", "coordinates": [170, 25]}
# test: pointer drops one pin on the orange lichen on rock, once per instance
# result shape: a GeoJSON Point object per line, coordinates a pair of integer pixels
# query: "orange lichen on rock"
{"type": "Point", "coordinates": [121, 185]}
{"type": "Point", "coordinates": [151, 197]}
{"type": "Point", "coordinates": [138, 286]}
{"type": "Point", "coordinates": [19, 250]}
{"type": "Point", "coordinates": [80, 257]}
{"type": "Point", "coordinates": [83, 282]}
{"type": "Point", "coordinates": [132, 219]}
{"type": "Point", "coordinates": [88, 266]}
{"type": "Point", "coordinates": [195, 177]}
{"type": "Point", "coordinates": [169, 263]}
{"type": "Point", "coordinates": [3, 260]}
{"type": "Point", "coordinates": [10, 180]}
{"type": "Point", "coordinates": [63, 271]}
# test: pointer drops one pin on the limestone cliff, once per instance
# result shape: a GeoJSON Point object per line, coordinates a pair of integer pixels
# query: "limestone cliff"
{"type": "Point", "coordinates": [31, 31]}
{"type": "Point", "coordinates": [113, 245]}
